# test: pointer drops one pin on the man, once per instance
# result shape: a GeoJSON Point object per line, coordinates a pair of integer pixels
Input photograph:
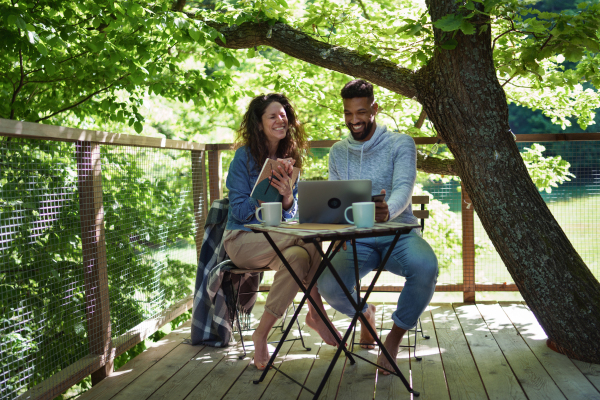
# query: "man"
{"type": "Point", "coordinates": [389, 160]}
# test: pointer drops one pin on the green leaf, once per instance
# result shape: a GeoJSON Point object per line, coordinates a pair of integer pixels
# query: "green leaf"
{"type": "Point", "coordinates": [573, 54]}
{"type": "Point", "coordinates": [582, 5]}
{"type": "Point", "coordinates": [591, 45]}
{"type": "Point", "coordinates": [449, 23]}
{"type": "Point", "coordinates": [12, 19]}
{"type": "Point", "coordinates": [467, 28]}
{"type": "Point", "coordinates": [251, 52]}
{"type": "Point", "coordinates": [42, 48]}
{"type": "Point", "coordinates": [449, 44]}
{"type": "Point", "coordinates": [30, 27]}
{"type": "Point", "coordinates": [422, 56]}
{"type": "Point", "coordinates": [136, 10]}
{"type": "Point", "coordinates": [33, 37]}
{"type": "Point", "coordinates": [194, 33]}
{"type": "Point", "coordinates": [228, 62]}
{"type": "Point", "coordinates": [138, 127]}
{"type": "Point", "coordinates": [21, 24]}
{"type": "Point", "coordinates": [50, 68]}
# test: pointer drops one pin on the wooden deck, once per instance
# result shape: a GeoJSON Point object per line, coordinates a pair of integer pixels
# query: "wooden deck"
{"type": "Point", "coordinates": [482, 351]}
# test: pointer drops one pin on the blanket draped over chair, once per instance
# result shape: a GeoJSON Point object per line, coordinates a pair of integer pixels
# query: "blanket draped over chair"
{"type": "Point", "coordinates": [215, 290]}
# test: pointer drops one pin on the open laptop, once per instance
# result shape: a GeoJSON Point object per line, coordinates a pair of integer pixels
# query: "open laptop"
{"type": "Point", "coordinates": [324, 202]}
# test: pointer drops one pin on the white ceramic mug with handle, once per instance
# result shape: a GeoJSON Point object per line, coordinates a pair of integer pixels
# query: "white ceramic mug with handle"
{"type": "Point", "coordinates": [271, 213]}
{"type": "Point", "coordinates": [363, 213]}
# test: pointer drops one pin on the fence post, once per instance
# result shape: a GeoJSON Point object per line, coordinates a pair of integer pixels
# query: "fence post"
{"type": "Point", "coordinates": [468, 247]}
{"type": "Point", "coordinates": [200, 193]}
{"type": "Point", "coordinates": [215, 174]}
{"type": "Point", "coordinates": [91, 214]}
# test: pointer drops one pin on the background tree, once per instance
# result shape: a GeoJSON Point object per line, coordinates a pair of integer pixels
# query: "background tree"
{"type": "Point", "coordinates": [458, 64]}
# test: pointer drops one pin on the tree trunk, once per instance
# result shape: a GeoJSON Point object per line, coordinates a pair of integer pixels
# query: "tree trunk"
{"type": "Point", "coordinates": [464, 100]}
{"type": "Point", "coordinates": [461, 95]}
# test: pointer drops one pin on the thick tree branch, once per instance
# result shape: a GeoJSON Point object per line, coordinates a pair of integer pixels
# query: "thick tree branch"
{"type": "Point", "coordinates": [433, 165]}
{"type": "Point", "coordinates": [178, 5]}
{"type": "Point", "coordinates": [299, 45]}
{"type": "Point", "coordinates": [421, 119]}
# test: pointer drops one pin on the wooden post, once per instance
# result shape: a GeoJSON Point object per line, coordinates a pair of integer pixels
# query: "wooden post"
{"type": "Point", "coordinates": [199, 184]}
{"type": "Point", "coordinates": [468, 248]}
{"type": "Point", "coordinates": [215, 174]}
{"type": "Point", "coordinates": [89, 172]}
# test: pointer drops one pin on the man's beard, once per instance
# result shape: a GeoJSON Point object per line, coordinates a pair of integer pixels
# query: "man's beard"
{"type": "Point", "coordinates": [361, 135]}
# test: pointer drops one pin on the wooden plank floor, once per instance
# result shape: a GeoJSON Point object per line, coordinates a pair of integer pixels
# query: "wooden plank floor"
{"type": "Point", "coordinates": [475, 351]}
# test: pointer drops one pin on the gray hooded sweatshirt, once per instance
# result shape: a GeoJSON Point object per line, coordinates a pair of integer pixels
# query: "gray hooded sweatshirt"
{"type": "Point", "coordinates": [388, 159]}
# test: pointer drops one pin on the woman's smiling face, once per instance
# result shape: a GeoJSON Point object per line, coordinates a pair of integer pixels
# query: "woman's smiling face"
{"type": "Point", "coordinates": [274, 122]}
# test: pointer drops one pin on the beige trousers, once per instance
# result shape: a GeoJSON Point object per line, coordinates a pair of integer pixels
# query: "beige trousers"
{"type": "Point", "coordinates": [249, 250]}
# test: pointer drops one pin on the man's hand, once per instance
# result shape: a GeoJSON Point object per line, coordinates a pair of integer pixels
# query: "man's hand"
{"type": "Point", "coordinates": [382, 213]}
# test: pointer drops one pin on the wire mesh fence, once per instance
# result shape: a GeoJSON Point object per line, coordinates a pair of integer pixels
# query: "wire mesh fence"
{"type": "Point", "coordinates": [149, 223]}
{"type": "Point", "coordinates": [150, 203]}
{"type": "Point", "coordinates": [573, 203]}
{"type": "Point", "coordinates": [66, 211]}
{"type": "Point", "coordinates": [42, 286]}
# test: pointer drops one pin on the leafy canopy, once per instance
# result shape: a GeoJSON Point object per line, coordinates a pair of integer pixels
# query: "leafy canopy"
{"type": "Point", "coordinates": [95, 62]}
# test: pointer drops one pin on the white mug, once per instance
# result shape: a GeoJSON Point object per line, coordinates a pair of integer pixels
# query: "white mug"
{"type": "Point", "coordinates": [363, 213]}
{"type": "Point", "coordinates": [271, 213]}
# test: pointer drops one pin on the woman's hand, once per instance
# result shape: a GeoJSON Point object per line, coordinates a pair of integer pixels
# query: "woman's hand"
{"type": "Point", "coordinates": [281, 181]}
{"type": "Point", "coordinates": [288, 163]}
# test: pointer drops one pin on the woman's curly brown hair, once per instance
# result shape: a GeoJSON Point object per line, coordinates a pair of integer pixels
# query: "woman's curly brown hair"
{"type": "Point", "coordinates": [295, 143]}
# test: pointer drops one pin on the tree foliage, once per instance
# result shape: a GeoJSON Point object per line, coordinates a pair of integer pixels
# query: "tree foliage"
{"type": "Point", "coordinates": [97, 61]}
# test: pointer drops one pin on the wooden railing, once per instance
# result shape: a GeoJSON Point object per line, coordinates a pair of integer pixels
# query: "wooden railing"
{"type": "Point", "coordinates": [469, 286]}
{"type": "Point", "coordinates": [104, 348]}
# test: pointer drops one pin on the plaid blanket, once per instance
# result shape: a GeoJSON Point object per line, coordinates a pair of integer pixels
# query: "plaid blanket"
{"type": "Point", "coordinates": [214, 295]}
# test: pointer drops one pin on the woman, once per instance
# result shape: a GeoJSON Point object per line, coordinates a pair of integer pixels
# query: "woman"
{"type": "Point", "coordinates": [270, 129]}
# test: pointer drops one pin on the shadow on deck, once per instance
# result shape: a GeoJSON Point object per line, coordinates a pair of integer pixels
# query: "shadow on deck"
{"type": "Point", "coordinates": [481, 351]}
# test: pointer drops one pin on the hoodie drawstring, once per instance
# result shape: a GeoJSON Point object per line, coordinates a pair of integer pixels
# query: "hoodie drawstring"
{"type": "Point", "coordinates": [362, 148]}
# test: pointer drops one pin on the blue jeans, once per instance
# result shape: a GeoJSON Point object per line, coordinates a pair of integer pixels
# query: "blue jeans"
{"type": "Point", "coordinates": [411, 258]}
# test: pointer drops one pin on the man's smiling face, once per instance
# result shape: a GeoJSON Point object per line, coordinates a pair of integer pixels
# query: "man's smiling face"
{"type": "Point", "coordinates": [359, 114]}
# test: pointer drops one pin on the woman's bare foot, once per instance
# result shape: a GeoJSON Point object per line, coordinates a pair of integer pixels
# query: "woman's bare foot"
{"type": "Point", "coordinates": [261, 350]}
{"type": "Point", "coordinates": [315, 322]}
{"type": "Point", "coordinates": [366, 339]}
{"type": "Point", "coordinates": [392, 344]}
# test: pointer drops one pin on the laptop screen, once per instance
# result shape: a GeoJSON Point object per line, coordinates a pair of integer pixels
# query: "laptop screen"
{"type": "Point", "coordinates": [324, 202]}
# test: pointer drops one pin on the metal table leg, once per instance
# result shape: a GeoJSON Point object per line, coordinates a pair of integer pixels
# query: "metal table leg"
{"type": "Point", "coordinates": [359, 314]}
{"type": "Point", "coordinates": [306, 296]}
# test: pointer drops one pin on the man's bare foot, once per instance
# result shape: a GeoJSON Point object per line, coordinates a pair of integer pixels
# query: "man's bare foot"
{"type": "Point", "coordinates": [366, 339]}
{"type": "Point", "coordinates": [261, 350]}
{"type": "Point", "coordinates": [392, 344]}
{"type": "Point", "coordinates": [315, 322]}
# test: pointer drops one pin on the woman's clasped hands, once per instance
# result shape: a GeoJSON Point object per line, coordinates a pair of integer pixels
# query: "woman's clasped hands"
{"type": "Point", "coordinates": [281, 180]}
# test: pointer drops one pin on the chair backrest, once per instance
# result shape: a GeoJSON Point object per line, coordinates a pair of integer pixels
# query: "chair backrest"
{"type": "Point", "coordinates": [421, 214]}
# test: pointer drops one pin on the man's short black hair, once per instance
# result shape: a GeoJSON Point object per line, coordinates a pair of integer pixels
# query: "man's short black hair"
{"type": "Point", "coordinates": [358, 88]}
